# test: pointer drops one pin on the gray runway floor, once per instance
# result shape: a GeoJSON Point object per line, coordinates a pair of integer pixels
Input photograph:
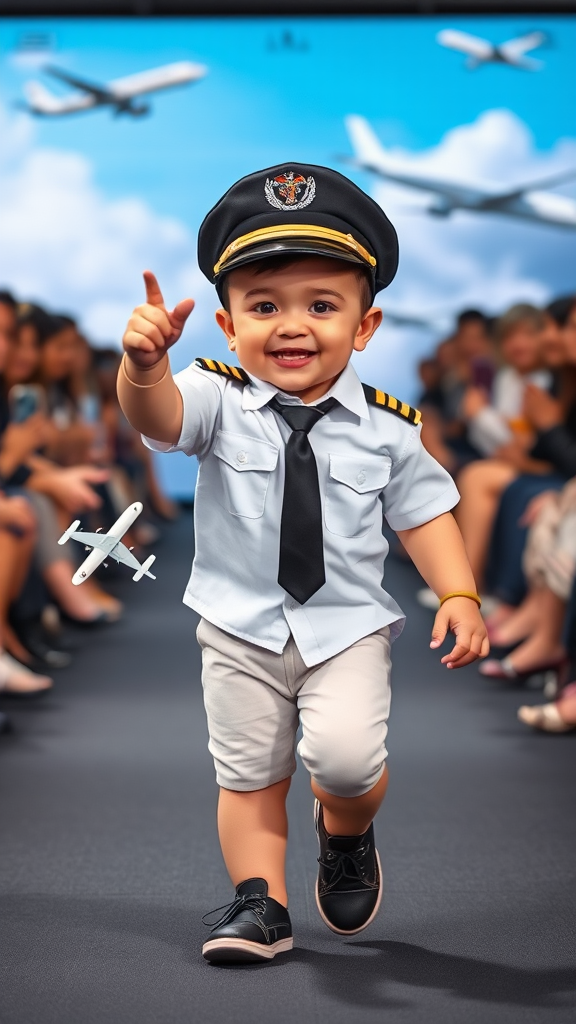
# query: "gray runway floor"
{"type": "Point", "coordinates": [108, 852]}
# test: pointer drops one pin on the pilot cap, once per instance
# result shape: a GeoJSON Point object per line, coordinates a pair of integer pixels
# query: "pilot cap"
{"type": "Point", "coordinates": [297, 208]}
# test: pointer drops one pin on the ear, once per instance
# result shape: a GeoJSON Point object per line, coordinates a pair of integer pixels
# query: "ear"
{"type": "Point", "coordinates": [225, 323]}
{"type": "Point", "coordinates": [369, 324]}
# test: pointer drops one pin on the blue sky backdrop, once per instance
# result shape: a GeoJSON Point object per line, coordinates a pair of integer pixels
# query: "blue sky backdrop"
{"type": "Point", "coordinates": [88, 201]}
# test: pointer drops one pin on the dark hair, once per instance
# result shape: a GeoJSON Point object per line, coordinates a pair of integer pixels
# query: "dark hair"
{"type": "Point", "coordinates": [561, 308]}
{"type": "Point", "coordinates": [275, 263]}
{"type": "Point", "coordinates": [45, 324]}
{"type": "Point", "coordinates": [472, 316]}
{"type": "Point", "coordinates": [7, 299]}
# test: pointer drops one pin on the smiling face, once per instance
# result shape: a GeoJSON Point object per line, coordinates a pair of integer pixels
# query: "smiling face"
{"type": "Point", "coordinates": [296, 325]}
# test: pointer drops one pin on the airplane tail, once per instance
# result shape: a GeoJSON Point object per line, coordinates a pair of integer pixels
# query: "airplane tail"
{"type": "Point", "coordinates": [41, 101]}
{"type": "Point", "coordinates": [365, 143]}
{"type": "Point", "coordinates": [143, 570]}
{"type": "Point", "coordinates": [68, 533]}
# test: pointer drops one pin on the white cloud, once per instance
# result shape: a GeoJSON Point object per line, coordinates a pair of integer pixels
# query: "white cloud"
{"type": "Point", "coordinates": [65, 244]}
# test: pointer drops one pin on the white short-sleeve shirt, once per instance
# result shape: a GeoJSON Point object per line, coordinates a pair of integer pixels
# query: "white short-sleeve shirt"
{"type": "Point", "coordinates": [369, 461]}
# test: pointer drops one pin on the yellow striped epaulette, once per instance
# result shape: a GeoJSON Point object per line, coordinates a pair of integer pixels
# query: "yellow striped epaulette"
{"type": "Point", "coordinates": [375, 397]}
{"type": "Point", "coordinates": [235, 372]}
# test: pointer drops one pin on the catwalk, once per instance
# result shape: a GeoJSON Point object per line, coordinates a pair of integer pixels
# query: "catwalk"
{"type": "Point", "coordinates": [108, 851]}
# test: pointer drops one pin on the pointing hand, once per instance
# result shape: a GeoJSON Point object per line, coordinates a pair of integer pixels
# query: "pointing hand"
{"type": "Point", "coordinates": [152, 329]}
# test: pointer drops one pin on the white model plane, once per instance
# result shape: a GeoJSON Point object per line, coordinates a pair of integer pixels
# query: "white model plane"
{"type": "Point", "coordinates": [525, 201]}
{"type": "Point", "coordinates": [480, 51]}
{"type": "Point", "coordinates": [120, 95]}
{"type": "Point", "coordinates": [108, 545]}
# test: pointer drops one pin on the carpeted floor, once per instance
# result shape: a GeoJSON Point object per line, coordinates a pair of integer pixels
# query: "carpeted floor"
{"type": "Point", "coordinates": [108, 851]}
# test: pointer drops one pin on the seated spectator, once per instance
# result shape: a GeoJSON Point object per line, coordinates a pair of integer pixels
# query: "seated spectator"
{"type": "Point", "coordinates": [57, 493]}
{"type": "Point", "coordinates": [493, 412]}
{"type": "Point", "coordinates": [482, 483]}
{"type": "Point", "coordinates": [461, 361]}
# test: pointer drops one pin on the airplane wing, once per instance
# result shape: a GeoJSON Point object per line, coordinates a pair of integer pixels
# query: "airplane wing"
{"type": "Point", "coordinates": [519, 190]}
{"type": "Point", "coordinates": [99, 92]}
{"type": "Point", "coordinates": [518, 47]}
{"type": "Point", "coordinates": [473, 46]}
{"type": "Point", "coordinates": [157, 78]}
{"type": "Point", "coordinates": [93, 540]}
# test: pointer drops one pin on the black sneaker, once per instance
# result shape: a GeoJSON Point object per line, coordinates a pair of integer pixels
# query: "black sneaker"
{"type": "Point", "coordinates": [348, 889]}
{"type": "Point", "coordinates": [255, 927]}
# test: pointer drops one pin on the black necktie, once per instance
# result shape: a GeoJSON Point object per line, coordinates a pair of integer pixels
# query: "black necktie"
{"type": "Point", "coordinates": [301, 567]}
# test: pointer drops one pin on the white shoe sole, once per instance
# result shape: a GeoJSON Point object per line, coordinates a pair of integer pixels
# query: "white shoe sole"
{"type": "Point", "coordinates": [340, 931]}
{"type": "Point", "coordinates": [242, 950]}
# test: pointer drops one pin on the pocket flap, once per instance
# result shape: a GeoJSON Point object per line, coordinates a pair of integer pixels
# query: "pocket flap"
{"type": "Point", "coordinates": [362, 474]}
{"type": "Point", "coordinates": [243, 452]}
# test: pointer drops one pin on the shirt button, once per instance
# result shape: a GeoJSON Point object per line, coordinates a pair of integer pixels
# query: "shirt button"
{"type": "Point", "coordinates": [361, 478]}
{"type": "Point", "coordinates": [242, 457]}
{"type": "Point", "coordinates": [293, 606]}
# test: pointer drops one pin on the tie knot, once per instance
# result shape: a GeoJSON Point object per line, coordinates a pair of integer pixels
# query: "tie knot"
{"type": "Point", "coordinates": [302, 417]}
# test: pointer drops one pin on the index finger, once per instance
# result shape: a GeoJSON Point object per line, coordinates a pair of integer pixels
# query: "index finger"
{"type": "Point", "coordinates": [153, 294]}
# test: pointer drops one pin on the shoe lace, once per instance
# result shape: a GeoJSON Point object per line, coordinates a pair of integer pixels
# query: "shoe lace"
{"type": "Point", "coordinates": [250, 901]}
{"type": "Point", "coordinates": [344, 864]}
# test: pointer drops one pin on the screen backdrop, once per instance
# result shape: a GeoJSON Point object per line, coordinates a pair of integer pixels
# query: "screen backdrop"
{"type": "Point", "coordinates": [90, 200]}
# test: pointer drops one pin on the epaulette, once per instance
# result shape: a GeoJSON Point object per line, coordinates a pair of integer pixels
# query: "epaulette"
{"type": "Point", "coordinates": [236, 372]}
{"type": "Point", "coordinates": [375, 397]}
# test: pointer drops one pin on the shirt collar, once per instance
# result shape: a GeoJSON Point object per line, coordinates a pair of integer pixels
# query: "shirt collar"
{"type": "Point", "coordinates": [347, 391]}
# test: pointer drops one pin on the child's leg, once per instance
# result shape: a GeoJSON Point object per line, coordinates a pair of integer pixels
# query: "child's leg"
{"type": "Point", "coordinates": [253, 830]}
{"type": "Point", "coordinates": [351, 816]}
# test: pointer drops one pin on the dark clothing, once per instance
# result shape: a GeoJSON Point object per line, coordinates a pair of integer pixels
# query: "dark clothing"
{"type": "Point", "coordinates": [19, 475]}
{"type": "Point", "coordinates": [504, 575]}
{"type": "Point", "coordinates": [558, 445]}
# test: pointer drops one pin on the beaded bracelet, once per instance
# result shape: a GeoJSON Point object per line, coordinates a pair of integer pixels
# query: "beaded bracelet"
{"type": "Point", "coordinates": [462, 593]}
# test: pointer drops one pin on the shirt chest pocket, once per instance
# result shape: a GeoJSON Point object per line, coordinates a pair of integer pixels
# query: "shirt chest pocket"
{"type": "Point", "coordinates": [245, 467]}
{"type": "Point", "coordinates": [352, 492]}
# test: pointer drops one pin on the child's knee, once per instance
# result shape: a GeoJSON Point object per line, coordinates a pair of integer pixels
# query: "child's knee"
{"type": "Point", "coordinates": [346, 773]}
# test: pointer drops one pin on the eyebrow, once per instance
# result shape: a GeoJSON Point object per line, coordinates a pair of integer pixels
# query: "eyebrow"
{"type": "Point", "coordinates": [270, 288]}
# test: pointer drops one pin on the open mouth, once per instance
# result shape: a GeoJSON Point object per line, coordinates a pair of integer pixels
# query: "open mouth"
{"type": "Point", "coordinates": [292, 356]}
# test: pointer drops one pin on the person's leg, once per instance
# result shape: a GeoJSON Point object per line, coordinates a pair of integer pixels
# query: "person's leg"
{"type": "Point", "coordinates": [344, 706]}
{"type": "Point", "coordinates": [505, 573]}
{"type": "Point", "coordinates": [351, 816]}
{"type": "Point", "coordinates": [15, 556]}
{"type": "Point", "coordinates": [544, 645]}
{"type": "Point", "coordinates": [253, 832]}
{"type": "Point", "coordinates": [481, 485]}
{"type": "Point", "coordinates": [252, 722]}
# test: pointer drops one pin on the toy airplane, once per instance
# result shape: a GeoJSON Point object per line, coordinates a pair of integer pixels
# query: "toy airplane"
{"type": "Point", "coordinates": [108, 545]}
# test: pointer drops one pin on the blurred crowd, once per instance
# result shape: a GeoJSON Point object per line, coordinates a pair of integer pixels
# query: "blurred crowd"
{"type": "Point", "coordinates": [66, 452]}
{"type": "Point", "coordinates": [499, 412]}
{"type": "Point", "coordinates": [498, 404]}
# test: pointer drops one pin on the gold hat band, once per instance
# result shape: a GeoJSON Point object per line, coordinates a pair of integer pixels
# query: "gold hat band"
{"type": "Point", "coordinates": [279, 231]}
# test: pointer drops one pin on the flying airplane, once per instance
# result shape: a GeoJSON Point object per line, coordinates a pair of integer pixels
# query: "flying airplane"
{"type": "Point", "coordinates": [108, 545]}
{"type": "Point", "coordinates": [120, 95]}
{"type": "Point", "coordinates": [524, 201]}
{"type": "Point", "coordinates": [480, 51]}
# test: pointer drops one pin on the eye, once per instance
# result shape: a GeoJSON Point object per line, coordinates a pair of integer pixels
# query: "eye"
{"type": "Point", "coordinates": [321, 307]}
{"type": "Point", "coordinates": [265, 308]}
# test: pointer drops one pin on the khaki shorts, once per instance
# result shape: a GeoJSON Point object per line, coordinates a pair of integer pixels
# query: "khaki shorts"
{"type": "Point", "coordinates": [256, 699]}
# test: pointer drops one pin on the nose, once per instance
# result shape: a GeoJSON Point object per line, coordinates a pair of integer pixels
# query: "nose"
{"type": "Point", "coordinates": [292, 325]}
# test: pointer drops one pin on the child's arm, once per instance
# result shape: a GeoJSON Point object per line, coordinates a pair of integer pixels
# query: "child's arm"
{"type": "Point", "coordinates": [437, 550]}
{"type": "Point", "coordinates": [147, 393]}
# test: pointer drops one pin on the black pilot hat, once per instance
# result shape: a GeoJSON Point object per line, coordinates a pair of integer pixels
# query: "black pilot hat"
{"type": "Point", "coordinates": [297, 208]}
